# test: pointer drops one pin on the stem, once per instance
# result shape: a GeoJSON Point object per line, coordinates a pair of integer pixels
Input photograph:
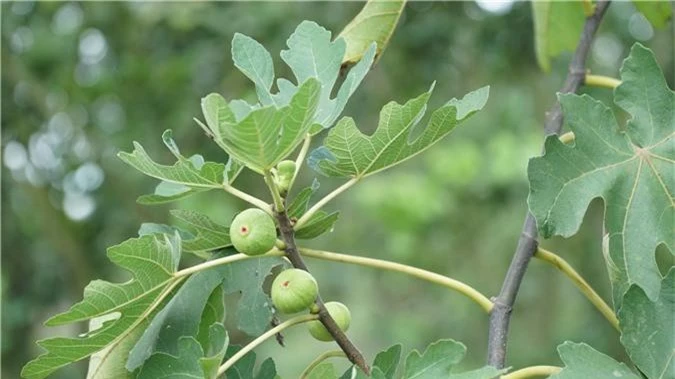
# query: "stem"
{"type": "Point", "coordinates": [319, 359]}
{"type": "Point", "coordinates": [567, 138]}
{"type": "Point", "coordinates": [301, 158]}
{"type": "Point", "coordinates": [324, 201]}
{"type": "Point", "coordinates": [581, 284]}
{"type": "Point", "coordinates": [270, 333]}
{"type": "Point", "coordinates": [601, 81]}
{"type": "Point", "coordinates": [429, 276]}
{"type": "Point", "coordinates": [527, 243]}
{"type": "Point", "coordinates": [351, 351]}
{"type": "Point", "coordinates": [532, 371]}
{"type": "Point", "coordinates": [248, 198]}
{"type": "Point", "coordinates": [223, 261]}
{"type": "Point", "coordinates": [278, 201]}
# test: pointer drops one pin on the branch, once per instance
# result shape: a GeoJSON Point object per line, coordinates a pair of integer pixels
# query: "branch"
{"type": "Point", "coordinates": [532, 371]}
{"type": "Point", "coordinates": [352, 353]}
{"type": "Point", "coordinates": [429, 276]}
{"type": "Point", "coordinates": [581, 284]}
{"type": "Point", "coordinates": [527, 243]}
{"type": "Point", "coordinates": [270, 333]}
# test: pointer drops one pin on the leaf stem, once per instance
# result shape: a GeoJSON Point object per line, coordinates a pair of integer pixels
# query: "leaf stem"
{"type": "Point", "coordinates": [567, 138]}
{"type": "Point", "coordinates": [223, 261]}
{"type": "Point", "coordinates": [301, 158]}
{"type": "Point", "coordinates": [528, 372]}
{"type": "Point", "coordinates": [278, 201]}
{"type": "Point", "coordinates": [429, 276]}
{"type": "Point", "coordinates": [248, 198]}
{"type": "Point", "coordinates": [582, 285]}
{"type": "Point", "coordinates": [324, 201]}
{"type": "Point", "coordinates": [268, 334]}
{"type": "Point", "coordinates": [601, 81]}
{"type": "Point", "coordinates": [319, 359]}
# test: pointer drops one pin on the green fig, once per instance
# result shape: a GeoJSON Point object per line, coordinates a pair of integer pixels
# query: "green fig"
{"type": "Point", "coordinates": [294, 290]}
{"type": "Point", "coordinates": [253, 232]}
{"type": "Point", "coordinates": [339, 312]}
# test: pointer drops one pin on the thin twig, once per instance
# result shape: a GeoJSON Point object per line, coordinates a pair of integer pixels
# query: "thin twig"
{"type": "Point", "coordinates": [529, 372]}
{"type": "Point", "coordinates": [582, 285]}
{"type": "Point", "coordinates": [351, 351]}
{"type": "Point", "coordinates": [527, 243]}
{"type": "Point", "coordinates": [601, 81]}
{"type": "Point", "coordinates": [319, 359]}
{"type": "Point", "coordinates": [305, 217]}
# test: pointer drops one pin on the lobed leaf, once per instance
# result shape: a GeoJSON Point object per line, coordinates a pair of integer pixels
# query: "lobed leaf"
{"type": "Point", "coordinates": [346, 152]}
{"type": "Point", "coordinates": [631, 170]}
{"type": "Point", "coordinates": [207, 234]}
{"type": "Point", "coordinates": [151, 260]}
{"type": "Point", "coordinates": [647, 329]}
{"type": "Point", "coordinates": [582, 361]}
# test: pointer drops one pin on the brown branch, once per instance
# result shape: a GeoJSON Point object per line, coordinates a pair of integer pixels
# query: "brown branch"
{"type": "Point", "coordinates": [351, 351]}
{"type": "Point", "coordinates": [527, 244]}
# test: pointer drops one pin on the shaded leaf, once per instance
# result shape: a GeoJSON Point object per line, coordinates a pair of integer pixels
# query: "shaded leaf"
{"type": "Point", "coordinates": [320, 223]}
{"type": "Point", "coordinates": [439, 359]}
{"type": "Point", "coordinates": [376, 22]}
{"type": "Point", "coordinates": [151, 260]}
{"type": "Point", "coordinates": [254, 61]}
{"type": "Point", "coordinates": [346, 152]}
{"type": "Point", "coordinates": [110, 362]}
{"type": "Point", "coordinates": [557, 28]}
{"type": "Point", "coordinates": [254, 310]}
{"type": "Point", "coordinates": [582, 361]}
{"type": "Point", "coordinates": [181, 317]}
{"type": "Point", "coordinates": [244, 367]}
{"type": "Point", "coordinates": [631, 170]}
{"type": "Point", "coordinates": [324, 370]}
{"type": "Point", "coordinates": [647, 329]}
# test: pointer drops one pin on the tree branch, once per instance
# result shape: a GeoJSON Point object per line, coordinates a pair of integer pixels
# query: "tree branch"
{"type": "Point", "coordinates": [351, 351]}
{"type": "Point", "coordinates": [527, 244]}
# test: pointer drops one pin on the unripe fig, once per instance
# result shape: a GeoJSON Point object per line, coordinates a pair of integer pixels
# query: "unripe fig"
{"type": "Point", "coordinates": [253, 232]}
{"type": "Point", "coordinates": [294, 290]}
{"type": "Point", "coordinates": [285, 173]}
{"type": "Point", "coordinates": [339, 312]}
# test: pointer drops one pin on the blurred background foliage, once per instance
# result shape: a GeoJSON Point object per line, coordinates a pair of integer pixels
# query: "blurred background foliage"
{"type": "Point", "coordinates": [81, 81]}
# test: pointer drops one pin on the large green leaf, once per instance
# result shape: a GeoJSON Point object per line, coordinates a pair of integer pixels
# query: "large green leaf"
{"type": "Point", "coordinates": [110, 362]}
{"type": "Point", "coordinates": [181, 317]}
{"type": "Point", "coordinates": [191, 174]}
{"type": "Point", "coordinates": [557, 27]}
{"type": "Point", "coordinates": [254, 311]}
{"type": "Point", "coordinates": [582, 361]}
{"type": "Point", "coordinates": [207, 234]}
{"type": "Point", "coordinates": [648, 329]}
{"type": "Point", "coordinates": [266, 135]}
{"type": "Point", "coordinates": [151, 260]}
{"type": "Point", "coordinates": [631, 170]}
{"type": "Point", "coordinates": [375, 23]}
{"type": "Point", "coordinates": [384, 366]}
{"type": "Point", "coordinates": [346, 152]}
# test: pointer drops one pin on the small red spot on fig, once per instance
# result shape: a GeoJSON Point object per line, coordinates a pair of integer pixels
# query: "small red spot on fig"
{"type": "Point", "coordinates": [244, 229]}
{"type": "Point", "coordinates": [286, 283]}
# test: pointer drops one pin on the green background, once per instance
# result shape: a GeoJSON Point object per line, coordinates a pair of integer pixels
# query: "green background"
{"type": "Point", "coordinates": [81, 81]}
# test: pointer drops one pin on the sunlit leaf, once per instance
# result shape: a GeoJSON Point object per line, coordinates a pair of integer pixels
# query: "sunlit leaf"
{"type": "Point", "coordinates": [346, 152]}
{"type": "Point", "coordinates": [207, 234]}
{"type": "Point", "coordinates": [630, 169]}
{"type": "Point", "coordinates": [582, 361]}
{"type": "Point", "coordinates": [557, 27]}
{"type": "Point", "coordinates": [648, 329]}
{"type": "Point", "coordinates": [376, 22]}
{"type": "Point", "coordinates": [111, 361]}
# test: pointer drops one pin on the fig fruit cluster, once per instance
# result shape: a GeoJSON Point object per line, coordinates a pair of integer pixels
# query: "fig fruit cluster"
{"type": "Point", "coordinates": [295, 290]}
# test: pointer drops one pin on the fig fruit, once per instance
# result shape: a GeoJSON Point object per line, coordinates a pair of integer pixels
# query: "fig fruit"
{"type": "Point", "coordinates": [253, 232]}
{"type": "Point", "coordinates": [339, 312]}
{"type": "Point", "coordinates": [285, 173]}
{"type": "Point", "coordinates": [294, 290]}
